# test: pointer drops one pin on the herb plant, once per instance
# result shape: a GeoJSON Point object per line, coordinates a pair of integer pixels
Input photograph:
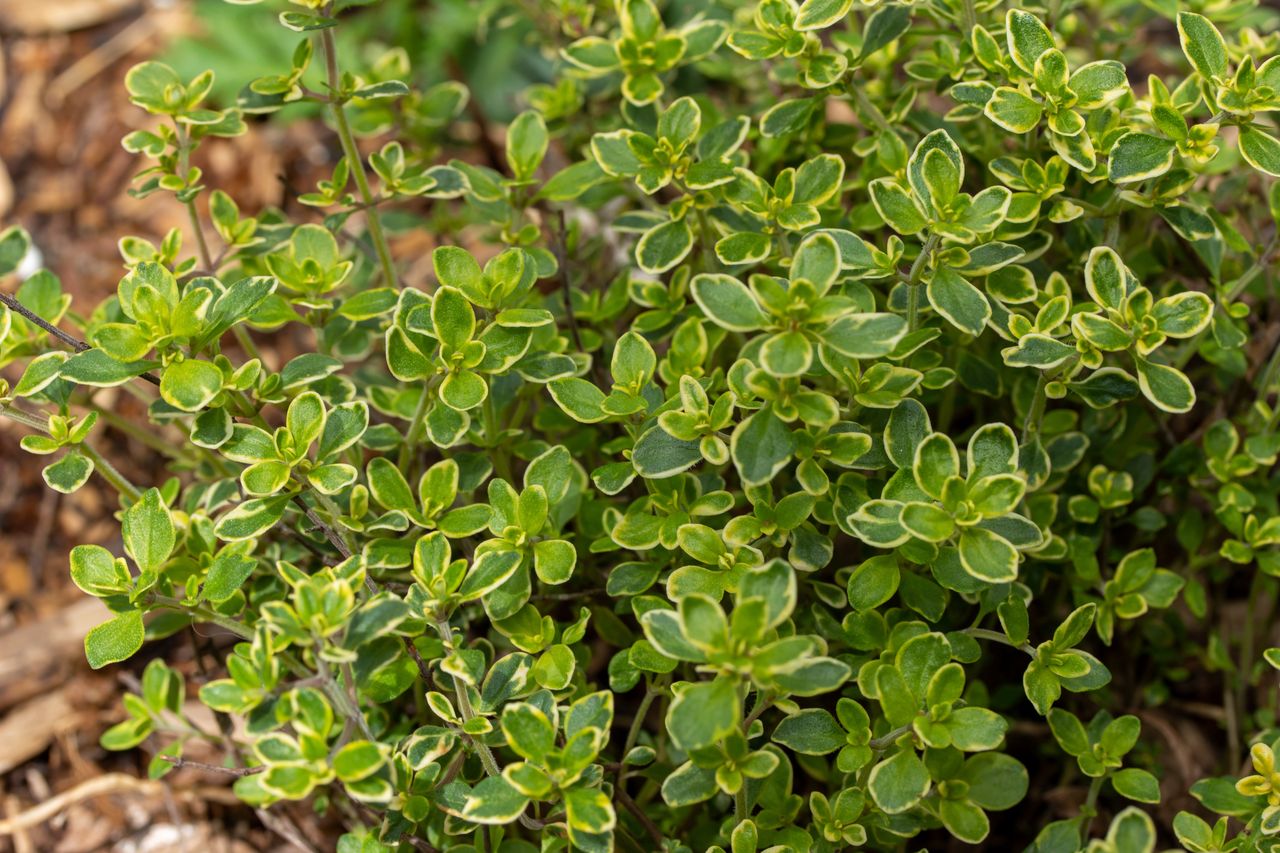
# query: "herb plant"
{"type": "Point", "coordinates": [803, 397]}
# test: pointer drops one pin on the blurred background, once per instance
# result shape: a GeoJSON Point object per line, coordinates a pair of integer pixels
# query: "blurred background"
{"type": "Point", "coordinates": [65, 178]}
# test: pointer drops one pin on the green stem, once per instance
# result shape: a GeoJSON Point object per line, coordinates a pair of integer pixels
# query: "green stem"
{"type": "Point", "coordinates": [354, 161]}
{"type": "Point", "coordinates": [1090, 808]}
{"type": "Point", "coordinates": [129, 428]}
{"type": "Point", "coordinates": [26, 419]}
{"type": "Point", "coordinates": [1233, 291]}
{"type": "Point", "coordinates": [203, 614]}
{"type": "Point", "coordinates": [997, 637]}
{"type": "Point", "coordinates": [913, 281]}
{"type": "Point", "coordinates": [1035, 414]}
{"type": "Point", "coordinates": [464, 705]}
{"type": "Point", "coordinates": [637, 723]}
{"type": "Point", "coordinates": [860, 97]}
{"type": "Point", "coordinates": [501, 463]}
{"type": "Point", "coordinates": [127, 490]}
{"type": "Point", "coordinates": [415, 431]}
{"type": "Point", "coordinates": [888, 739]}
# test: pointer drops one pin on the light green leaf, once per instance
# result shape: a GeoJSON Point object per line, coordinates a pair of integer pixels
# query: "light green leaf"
{"type": "Point", "coordinates": [115, 640]}
{"type": "Point", "coordinates": [899, 782]}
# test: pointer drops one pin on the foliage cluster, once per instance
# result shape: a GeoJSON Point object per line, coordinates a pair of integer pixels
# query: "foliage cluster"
{"type": "Point", "coordinates": [804, 396]}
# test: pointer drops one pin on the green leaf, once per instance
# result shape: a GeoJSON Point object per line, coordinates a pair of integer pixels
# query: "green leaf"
{"type": "Point", "coordinates": [884, 27]}
{"type": "Point", "coordinates": [811, 732]}
{"type": "Point", "coordinates": [819, 14]}
{"type": "Point", "coordinates": [15, 243]}
{"type": "Point", "coordinates": [873, 582]}
{"type": "Point", "coordinates": [95, 367]}
{"type": "Point", "coordinates": [589, 810]}
{"type": "Point", "coordinates": [899, 782]}
{"type": "Point", "coordinates": [1132, 831]}
{"type": "Point", "coordinates": [69, 473]}
{"type": "Point", "coordinates": [526, 144]}
{"type": "Point", "coordinates": [664, 246]}
{"type": "Point", "coordinates": [761, 447]}
{"type": "Point", "coordinates": [689, 784]}
{"type": "Point", "coordinates": [864, 335]}
{"type": "Point", "coordinates": [1261, 150]}
{"type": "Point", "coordinates": [488, 572]}
{"type": "Point", "coordinates": [494, 802]}
{"type": "Point", "coordinates": [553, 560]}
{"type": "Point", "coordinates": [251, 518]}
{"type": "Point", "coordinates": [658, 455]}
{"type": "Point", "coordinates": [452, 317]}
{"type": "Point", "coordinates": [962, 304]}
{"type": "Point", "coordinates": [703, 713]}
{"type": "Point", "coordinates": [228, 572]}
{"type": "Point", "coordinates": [528, 731]}
{"type": "Point", "coordinates": [1028, 38]}
{"type": "Point", "coordinates": [115, 640]}
{"type": "Point", "coordinates": [1013, 110]}
{"type": "Point", "coordinates": [359, 760]}
{"type": "Point", "coordinates": [305, 419]}
{"type": "Point", "coordinates": [1139, 156]}
{"type": "Point", "coordinates": [987, 556]}
{"type": "Point", "coordinates": [149, 534]}
{"type": "Point", "coordinates": [964, 820]}
{"type": "Point", "coordinates": [936, 460]}
{"type": "Point", "coordinates": [1165, 386]}
{"type": "Point", "coordinates": [1135, 784]}
{"type": "Point", "coordinates": [897, 207]}
{"type": "Point", "coordinates": [96, 572]}
{"type": "Point", "coordinates": [727, 302]}
{"type": "Point", "coordinates": [1098, 83]}
{"type": "Point", "coordinates": [1203, 45]}
{"type": "Point", "coordinates": [190, 385]}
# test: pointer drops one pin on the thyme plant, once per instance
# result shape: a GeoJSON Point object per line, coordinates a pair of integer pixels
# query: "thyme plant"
{"type": "Point", "coordinates": [804, 398]}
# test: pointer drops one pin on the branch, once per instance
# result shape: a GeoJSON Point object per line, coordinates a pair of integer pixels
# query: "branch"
{"type": "Point", "coordinates": [75, 343]}
{"type": "Point", "coordinates": [179, 762]}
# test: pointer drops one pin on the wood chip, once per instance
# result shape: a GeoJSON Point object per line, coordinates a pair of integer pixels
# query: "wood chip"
{"type": "Point", "coordinates": [24, 16]}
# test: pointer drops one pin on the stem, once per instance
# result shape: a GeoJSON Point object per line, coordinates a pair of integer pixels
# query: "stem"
{"type": "Point", "coordinates": [25, 418]}
{"type": "Point", "coordinates": [203, 614]}
{"type": "Point", "coordinates": [75, 343]}
{"type": "Point", "coordinates": [1035, 414]}
{"type": "Point", "coordinates": [887, 740]}
{"type": "Point", "coordinates": [17, 307]}
{"type": "Point", "coordinates": [997, 637]}
{"type": "Point", "coordinates": [137, 433]}
{"type": "Point", "coordinates": [126, 489]}
{"type": "Point", "coordinates": [178, 762]}
{"type": "Point", "coordinates": [354, 160]}
{"type": "Point", "coordinates": [349, 682]}
{"type": "Point", "coordinates": [1188, 349]}
{"type": "Point", "coordinates": [740, 807]}
{"type": "Point", "coordinates": [498, 454]}
{"type": "Point", "coordinates": [877, 117]}
{"type": "Point", "coordinates": [415, 431]}
{"type": "Point", "coordinates": [913, 281]}
{"type": "Point", "coordinates": [637, 723]}
{"type": "Point", "coordinates": [490, 763]}
{"type": "Point", "coordinates": [1090, 807]}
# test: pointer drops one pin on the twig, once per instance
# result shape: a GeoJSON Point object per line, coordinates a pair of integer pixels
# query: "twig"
{"type": "Point", "coordinates": [630, 805]}
{"type": "Point", "coordinates": [179, 762]}
{"type": "Point", "coordinates": [75, 343]}
{"type": "Point", "coordinates": [111, 783]}
{"type": "Point", "coordinates": [30, 316]}
{"type": "Point", "coordinates": [557, 245]}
